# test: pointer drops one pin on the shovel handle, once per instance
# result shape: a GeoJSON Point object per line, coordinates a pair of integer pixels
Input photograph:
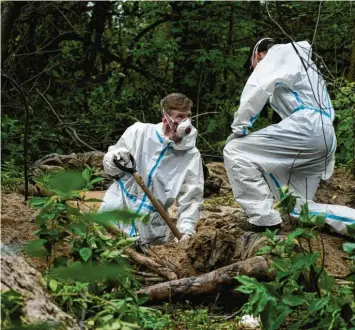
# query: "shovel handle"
{"type": "Point", "coordinates": [157, 205]}
{"type": "Point", "coordinates": [150, 195]}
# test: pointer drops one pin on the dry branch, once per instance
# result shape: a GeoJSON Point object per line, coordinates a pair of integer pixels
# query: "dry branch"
{"type": "Point", "coordinates": [151, 264]}
{"type": "Point", "coordinates": [212, 282]}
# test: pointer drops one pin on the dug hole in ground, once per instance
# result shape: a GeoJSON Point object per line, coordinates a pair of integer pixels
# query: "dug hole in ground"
{"type": "Point", "coordinates": [203, 267]}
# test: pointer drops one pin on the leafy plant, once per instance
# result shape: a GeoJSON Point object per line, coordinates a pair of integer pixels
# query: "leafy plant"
{"type": "Point", "coordinates": [302, 295]}
{"type": "Point", "coordinates": [92, 279]}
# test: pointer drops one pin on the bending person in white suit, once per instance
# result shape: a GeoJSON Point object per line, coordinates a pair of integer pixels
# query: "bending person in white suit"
{"type": "Point", "coordinates": [297, 152]}
{"type": "Point", "coordinates": [171, 166]}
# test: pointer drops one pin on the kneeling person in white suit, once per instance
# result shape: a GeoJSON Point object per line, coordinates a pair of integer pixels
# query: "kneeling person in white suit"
{"type": "Point", "coordinates": [297, 152]}
{"type": "Point", "coordinates": [171, 166]}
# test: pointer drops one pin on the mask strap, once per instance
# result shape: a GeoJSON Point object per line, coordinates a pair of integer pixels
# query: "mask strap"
{"type": "Point", "coordinates": [167, 116]}
{"type": "Point", "coordinates": [256, 48]}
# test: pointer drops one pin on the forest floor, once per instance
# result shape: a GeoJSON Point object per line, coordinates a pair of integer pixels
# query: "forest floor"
{"type": "Point", "coordinates": [215, 243]}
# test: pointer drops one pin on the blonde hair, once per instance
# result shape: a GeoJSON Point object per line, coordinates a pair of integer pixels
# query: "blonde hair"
{"type": "Point", "coordinates": [175, 101]}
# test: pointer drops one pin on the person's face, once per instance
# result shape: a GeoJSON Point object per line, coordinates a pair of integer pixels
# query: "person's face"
{"type": "Point", "coordinates": [176, 117]}
{"type": "Point", "coordinates": [257, 58]}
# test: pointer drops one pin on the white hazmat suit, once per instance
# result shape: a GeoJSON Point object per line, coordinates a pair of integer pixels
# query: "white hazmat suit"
{"type": "Point", "coordinates": [169, 170]}
{"type": "Point", "coordinates": [297, 152]}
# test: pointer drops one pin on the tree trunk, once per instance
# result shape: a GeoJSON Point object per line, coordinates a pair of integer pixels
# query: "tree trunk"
{"type": "Point", "coordinates": [9, 15]}
{"type": "Point", "coordinates": [213, 282]}
{"type": "Point", "coordinates": [19, 276]}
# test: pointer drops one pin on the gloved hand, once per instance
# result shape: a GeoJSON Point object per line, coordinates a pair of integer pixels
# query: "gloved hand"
{"type": "Point", "coordinates": [185, 237]}
{"type": "Point", "coordinates": [123, 157]}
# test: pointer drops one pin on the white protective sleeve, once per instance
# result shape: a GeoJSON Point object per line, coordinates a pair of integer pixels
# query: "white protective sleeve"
{"type": "Point", "coordinates": [191, 197]}
{"type": "Point", "coordinates": [125, 143]}
{"type": "Point", "coordinates": [280, 65]}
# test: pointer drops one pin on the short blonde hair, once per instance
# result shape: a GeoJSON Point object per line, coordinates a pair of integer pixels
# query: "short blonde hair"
{"type": "Point", "coordinates": [175, 101]}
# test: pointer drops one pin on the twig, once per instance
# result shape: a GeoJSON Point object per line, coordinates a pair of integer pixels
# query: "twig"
{"type": "Point", "coordinates": [66, 126]}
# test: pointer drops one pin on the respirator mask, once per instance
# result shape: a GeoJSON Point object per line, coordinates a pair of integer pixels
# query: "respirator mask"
{"type": "Point", "coordinates": [182, 129]}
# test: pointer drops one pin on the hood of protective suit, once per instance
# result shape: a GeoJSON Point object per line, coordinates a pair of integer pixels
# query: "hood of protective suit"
{"type": "Point", "coordinates": [187, 142]}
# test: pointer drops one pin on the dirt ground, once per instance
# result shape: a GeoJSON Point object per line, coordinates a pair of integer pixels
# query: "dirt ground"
{"type": "Point", "coordinates": [218, 240]}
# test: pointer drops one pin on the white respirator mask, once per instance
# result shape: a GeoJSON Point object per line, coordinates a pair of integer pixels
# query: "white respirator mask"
{"type": "Point", "coordinates": [182, 129]}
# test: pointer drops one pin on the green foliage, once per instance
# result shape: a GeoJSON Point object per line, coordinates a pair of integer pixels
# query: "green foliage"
{"type": "Point", "coordinates": [11, 175]}
{"type": "Point", "coordinates": [344, 104]}
{"type": "Point", "coordinates": [302, 295]}
{"type": "Point", "coordinates": [100, 75]}
{"type": "Point", "coordinates": [93, 278]}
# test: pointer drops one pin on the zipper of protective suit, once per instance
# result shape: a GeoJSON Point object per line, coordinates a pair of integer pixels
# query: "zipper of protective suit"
{"type": "Point", "coordinates": [150, 179]}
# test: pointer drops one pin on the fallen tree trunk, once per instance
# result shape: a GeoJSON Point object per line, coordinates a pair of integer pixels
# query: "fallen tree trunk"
{"type": "Point", "coordinates": [212, 282]}
{"type": "Point", "coordinates": [17, 275]}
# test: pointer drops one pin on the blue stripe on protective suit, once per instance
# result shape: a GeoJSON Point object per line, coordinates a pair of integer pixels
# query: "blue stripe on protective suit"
{"type": "Point", "coordinates": [328, 215]}
{"type": "Point", "coordinates": [303, 106]}
{"type": "Point", "coordinates": [134, 198]}
{"type": "Point", "coordinates": [150, 179]}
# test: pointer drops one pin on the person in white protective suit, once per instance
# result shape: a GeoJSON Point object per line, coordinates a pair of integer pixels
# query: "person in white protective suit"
{"type": "Point", "coordinates": [170, 165]}
{"type": "Point", "coordinates": [298, 151]}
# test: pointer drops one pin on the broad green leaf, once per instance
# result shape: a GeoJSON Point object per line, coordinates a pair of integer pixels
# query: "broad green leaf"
{"type": "Point", "coordinates": [300, 261]}
{"type": "Point", "coordinates": [85, 253]}
{"type": "Point", "coordinates": [292, 300]}
{"type": "Point", "coordinates": [279, 320]}
{"type": "Point", "coordinates": [326, 281]}
{"type": "Point", "coordinates": [349, 248]}
{"type": "Point", "coordinates": [111, 217]}
{"type": "Point", "coordinates": [90, 273]}
{"type": "Point", "coordinates": [66, 181]}
{"type": "Point", "coordinates": [36, 243]}
{"type": "Point", "coordinates": [53, 284]}
{"type": "Point", "coordinates": [35, 248]}
{"type": "Point", "coordinates": [296, 325]}
{"type": "Point", "coordinates": [318, 304]}
{"type": "Point", "coordinates": [86, 174]}
{"type": "Point", "coordinates": [37, 202]}
{"type": "Point", "coordinates": [79, 228]}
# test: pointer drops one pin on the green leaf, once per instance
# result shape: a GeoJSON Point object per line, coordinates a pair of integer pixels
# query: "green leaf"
{"type": "Point", "coordinates": [36, 243]}
{"type": "Point", "coordinates": [349, 248]}
{"type": "Point", "coordinates": [96, 180]}
{"type": "Point", "coordinates": [300, 261]}
{"type": "Point", "coordinates": [296, 325]}
{"type": "Point", "coordinates": [85, 253]}
{"type": "Point", "coordinates": [111, 217]}
{"type": "Point", "coordinates": [86, 174]}
{"type": "Point", "coordinates": [67, 181]}
{"type": "Point", "coordinates": [38, 202]}
{"type": "Point", "coordinates": [79, 228]}
{"type": "Point", "coordinates": [326, 281]}
{"type": "Point", "coordinates": [279, 320]}
{"type": "Point", "coordinates": [318, 304]}
{"type": "Point", "coordinates": [293, 300]}
{"type": "Point", "coordinates": [351, 230]}
{"type": "Point", "coordinates": [53, 284]}
{"type": "Point", "coordinates": [90, 273]}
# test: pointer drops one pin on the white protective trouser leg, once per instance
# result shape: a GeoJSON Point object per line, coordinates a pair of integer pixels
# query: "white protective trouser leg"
{"type": "Point", "coordinates": [289, 153]}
